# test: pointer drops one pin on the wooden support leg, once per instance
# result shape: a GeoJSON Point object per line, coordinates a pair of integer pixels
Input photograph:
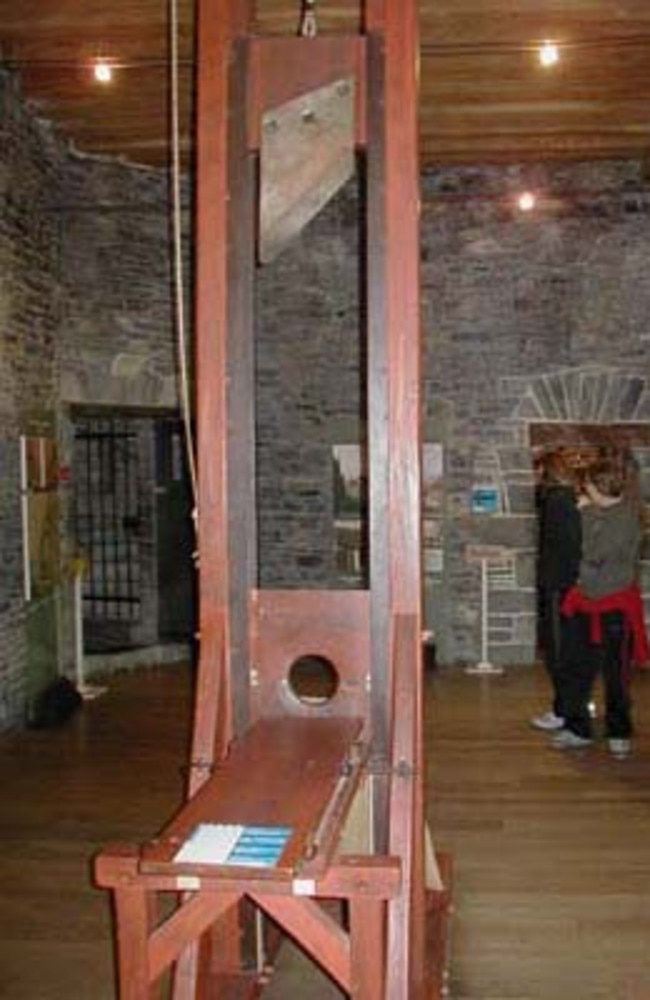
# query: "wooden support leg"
{"type": "Point", "coordinates": [368, 948]}
{"type": "Point", "coordinates": [226, 942]}
{"type": "Point", "coordinates": [134, 916]}
{"type": "Point", "coordinates": [214, 949]}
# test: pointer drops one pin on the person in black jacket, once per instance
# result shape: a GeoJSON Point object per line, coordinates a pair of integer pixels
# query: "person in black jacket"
{"type": "Point", "coordinates": [558, 564]}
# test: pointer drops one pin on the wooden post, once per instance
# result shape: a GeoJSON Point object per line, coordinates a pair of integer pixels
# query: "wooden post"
{"type": "Point", "coordinates": [368, 948]}
{"type": "Point", "coordinates": [133, 917]}
{"type": "Point", "coordinates": [224, 296]}
{"type": "Point", "coordinates": [395, 452]}
{"type": "Point", "coordinates": [225, 401]}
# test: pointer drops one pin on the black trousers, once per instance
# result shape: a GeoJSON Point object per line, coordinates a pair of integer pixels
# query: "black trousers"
{"type": "Point", "coordinates": [585, 660]}
{"type": "Point", "coordinates": [552, 635]}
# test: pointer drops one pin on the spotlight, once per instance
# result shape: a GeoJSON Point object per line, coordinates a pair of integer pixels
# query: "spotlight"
{"type": "Point", "coordinates": [548, 54]}
{"type": "Point", "coordinates": [526, 201]}
{"type": "Point", "coordinates": [102, 71]}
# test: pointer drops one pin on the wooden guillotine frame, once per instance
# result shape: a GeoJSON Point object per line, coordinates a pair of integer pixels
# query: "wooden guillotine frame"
{"type": "Point", "coordinates": [259, 755]}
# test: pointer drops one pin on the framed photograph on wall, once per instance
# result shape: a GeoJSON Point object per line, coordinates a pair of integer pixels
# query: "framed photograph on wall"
{"type": "Point", "coordinates": [350, 512]}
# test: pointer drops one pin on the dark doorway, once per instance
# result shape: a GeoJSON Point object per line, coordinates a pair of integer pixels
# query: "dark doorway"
{"type": "Point", "coordinates": [133, 529]}
{"type": "Point", "coordinates": [176, 541]}
{"type": "Point", "coordinates": [107, 520]}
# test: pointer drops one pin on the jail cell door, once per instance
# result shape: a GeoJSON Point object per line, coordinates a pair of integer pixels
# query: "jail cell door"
{"type": "Point", "coordinates": [108, 529]}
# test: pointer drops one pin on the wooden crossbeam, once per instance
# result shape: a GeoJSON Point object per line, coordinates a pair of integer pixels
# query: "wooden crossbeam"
{"type": "Point", "coordinates": [148, 947]}
{"type": "Point", "coordinates": [363, 876]}
{"type": "Point", "coordinates": [189, 922]}
{"type": "Point", "coordinates": [319, 935]}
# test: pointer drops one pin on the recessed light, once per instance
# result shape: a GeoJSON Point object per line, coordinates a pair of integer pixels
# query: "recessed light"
{"type": "Point", "coordinates": [548, 54]}
{"type": "Point", "coordinates": [102, 71]}
{"type": "Point", "coordinates": [526, 201]}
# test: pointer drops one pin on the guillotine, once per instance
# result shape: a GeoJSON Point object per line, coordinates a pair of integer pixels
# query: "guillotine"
{"type": "Point", "coordinates": [355, 881]}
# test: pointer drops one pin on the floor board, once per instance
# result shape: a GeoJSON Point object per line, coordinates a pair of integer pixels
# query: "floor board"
{"type": "Point", "coordinates": [551, 850]}
{"type": "Point", "coordinates": [552, 866]}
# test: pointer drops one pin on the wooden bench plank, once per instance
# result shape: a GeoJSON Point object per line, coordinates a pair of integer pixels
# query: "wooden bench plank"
{"type": "Point", "coordinates": [283, 772]}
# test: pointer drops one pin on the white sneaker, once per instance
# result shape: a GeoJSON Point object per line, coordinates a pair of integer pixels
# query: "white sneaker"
{"type": "Point", "coordinates": [620, 748]}
{"type": "Point", "coordinates": [549, 721]}
{"type": "Point", "coordinates": [566, 739]}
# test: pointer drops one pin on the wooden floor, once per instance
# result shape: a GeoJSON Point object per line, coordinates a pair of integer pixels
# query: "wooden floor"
{"type": "Point", "coordinates": [551, 849]}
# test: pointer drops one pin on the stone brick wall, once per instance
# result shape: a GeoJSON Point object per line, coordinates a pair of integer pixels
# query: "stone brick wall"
{"type": "Point", "coordinates": [85, 320]}
{"type": "Point", "coordinates": [309, 394]}
{"type": "Point", "coordinates": [118, 336]}
{"type": "Point", "coordinates": [539, 317]}
{"type": "Point", "coordinates": [30, 165]}
{"type": "Point", "coordinates": [543, 317]}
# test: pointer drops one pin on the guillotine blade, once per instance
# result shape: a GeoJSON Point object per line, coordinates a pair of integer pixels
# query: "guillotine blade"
{"type": "Point", "coordinates": [306, 155]}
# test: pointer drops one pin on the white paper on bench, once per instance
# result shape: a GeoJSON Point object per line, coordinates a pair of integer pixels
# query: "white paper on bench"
{"type": "Point", "coordinates": [209, 844]}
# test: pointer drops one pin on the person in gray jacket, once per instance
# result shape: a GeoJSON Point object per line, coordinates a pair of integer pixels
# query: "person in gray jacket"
{"type": "Point", "coordinates": [604, 613]}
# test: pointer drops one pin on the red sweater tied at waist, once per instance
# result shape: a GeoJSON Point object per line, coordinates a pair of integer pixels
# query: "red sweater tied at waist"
{"type": "Point", "coordinates": [627, 601]}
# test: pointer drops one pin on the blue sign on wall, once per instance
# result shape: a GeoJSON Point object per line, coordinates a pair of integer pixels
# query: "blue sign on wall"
{"type": "Point", "coordinates": [486, 500]}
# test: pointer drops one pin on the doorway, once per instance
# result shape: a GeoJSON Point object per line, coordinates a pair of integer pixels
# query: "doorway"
{"type": "Point", "coordinates": [131, 524]}
{"type": "Point", "coordinates": [175, 540]}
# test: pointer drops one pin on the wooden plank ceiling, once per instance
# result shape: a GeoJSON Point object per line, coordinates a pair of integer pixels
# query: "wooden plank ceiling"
{"type": "Point", "coordinates": [485, 97]}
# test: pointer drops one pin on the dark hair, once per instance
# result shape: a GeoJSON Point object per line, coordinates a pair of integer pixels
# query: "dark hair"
{"type": "Point", "coordinates": [608, 477]}
{"type": "Point", "coordinates": [557, 468]}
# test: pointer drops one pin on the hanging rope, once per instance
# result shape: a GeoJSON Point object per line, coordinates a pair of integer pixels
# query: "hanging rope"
{"type": "Point", "coordinates": [308, 25]}
{"type": "Point", "coordinates": [181, 349]}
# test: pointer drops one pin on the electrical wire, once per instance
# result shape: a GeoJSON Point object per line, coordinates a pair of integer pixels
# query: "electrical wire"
{"type": "Point", "coordinates": [181, 326]}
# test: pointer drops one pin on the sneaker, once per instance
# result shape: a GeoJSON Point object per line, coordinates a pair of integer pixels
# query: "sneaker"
{"type": "Point", "coordinates": [549, 721]}
{"type": "Point", "coordinates": [619, 748]}
{"type": "Point", "coordinates": [566, 739]}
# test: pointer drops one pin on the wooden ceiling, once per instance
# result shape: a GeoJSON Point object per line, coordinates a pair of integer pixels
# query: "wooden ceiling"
{"type": "Point", "coordinates": [485, 98]}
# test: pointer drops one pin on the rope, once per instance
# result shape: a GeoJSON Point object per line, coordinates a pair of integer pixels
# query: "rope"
{"type": "Point", "coordinates": [181, 349]}
{"type": "Point", "coordinates": [308, 26]}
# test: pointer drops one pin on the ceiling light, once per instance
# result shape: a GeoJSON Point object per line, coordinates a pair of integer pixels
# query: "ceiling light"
{"type": "Point", "coordinates": [526, 201]}
{"type": "Point", "coordinates": [549, 54]}
{"type": "Point", "coordinates": [103, 71]}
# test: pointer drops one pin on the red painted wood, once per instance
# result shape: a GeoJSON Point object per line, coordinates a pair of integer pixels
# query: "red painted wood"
{"type": "Point", "coordinates": [395, 439]}
{"type": "Point", "coordinates": [351, 875]}
{"type": "Point", "coordinates": [285, 68]}
{"type": "Point", "coordinates": [213, 48]}
{"type": "Point", "coordinates": [239, 548]}
{"type": "Point", "coordinates": [133, 914]}
{"type": "Point", "coordinates": [378, 436]}
{"type": "Point", "coordinates": [374, 14]}
{"type": "Point", "coordinates": [403, 819]}
{"type": "Point", "coordinates": [282, 772]}
{"type": "Point", "coordinates": [286, 625]}
{"type": "Point", "coordinates": [403, 302]}
{"type": "Point", "coordinates": [368, 942]}
{"type": "Point", "coordinates": [437, 930]}
{"type": "Point", "coordinates": [188, 923]}
{"type": "Point", "coordinates": [395, 334]}
{"type": "Point", "coordinates": [286, 768]}
{"type": "Point", "coordinates": [358, 876]}
{"type": "Point", "coordinates": [218, 26]}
